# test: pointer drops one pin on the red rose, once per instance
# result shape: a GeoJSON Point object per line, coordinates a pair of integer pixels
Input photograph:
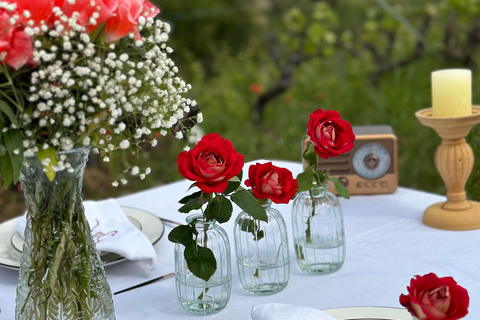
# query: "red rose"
{"type": "Point", "coordinates": [211, 163]}
{"type": "Point", "coordinates": [433, 298]}
{"type": "Point", "coordinates": [330, 134]}
{"type": "Point", "coordinates": [271, 182]}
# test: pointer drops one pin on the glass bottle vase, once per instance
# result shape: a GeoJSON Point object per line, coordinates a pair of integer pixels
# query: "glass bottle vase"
{"type": "Point", "coordinates": [194, 294]}
{"type": "Point", "coordinates": [61, 274]}
{"type": "Point", "coordinates": [262, 252]}
{"type": "Point", "coordinates": [318, 231]}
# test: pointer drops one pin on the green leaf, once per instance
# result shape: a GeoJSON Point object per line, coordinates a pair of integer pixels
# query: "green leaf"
{"type": "Point", "coordinates": [189, 206]}
{"type": "Point", "coordinates": [193, 196]}
{"type": "Point", "coordinates": [340, 189]}
{"type": "Point", "coordinates": [181, 234]}
{"type": "Point", "coordinates": [200, 261]}
{"type": "Point", "coordinates": [14, 144]}
{"type": "Point", "coordinates": [193, 202]}
{"type": "Point", "coordinates": [259, 235]}
{"type": "Point", "coordinates": [311, 156]}
{"type": "Point", "coordinates": [7, 170]}
{"type": "Point", "coordinates": [248, 203]}
{"type": "Point", "coordinates": [249, 226]}
{"type": "Point", "coordinates": [305, 179]}
{"type": "Point", "coordinates": [219, 209]}
{"type": "Point", "coordinates": [49, 153]}
{"type": "Point", "coordinates": [246, 225]}
{"type": "Point", "coordinates": [240, 176]}
{"type": "Point", "coordinates": [5, 108]}
{"type": "Point", "coordinates": [232, 186]}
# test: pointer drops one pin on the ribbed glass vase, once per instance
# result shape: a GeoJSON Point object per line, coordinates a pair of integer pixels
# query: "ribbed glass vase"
{"type": "Point", "coordinates": [318, 231]}
{"type": "Point", "coordinates": [262, 252]}
{"type": "Point", "coordinates": [61, 274]}
{"type": "Point", "coordinates": [194, 294]}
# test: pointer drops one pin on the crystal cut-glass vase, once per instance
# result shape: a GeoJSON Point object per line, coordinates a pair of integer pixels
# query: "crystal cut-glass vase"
{"type": "Point", "coordinates": [61, 275]}
{"type": "Point", "coordinates": [318, 231]}
{"type": "Point", "coordinates": [262, 252]}
{"type": "Point", "coordinates": [194, 294]}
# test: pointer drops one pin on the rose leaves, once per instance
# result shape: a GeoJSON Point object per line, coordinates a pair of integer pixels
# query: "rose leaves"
{"type": "Point", "coordinates": [311, 175]}
{"type": "Point", "coordinates": [200, 260]}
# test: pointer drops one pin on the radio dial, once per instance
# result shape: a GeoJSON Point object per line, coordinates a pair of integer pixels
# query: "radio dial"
{"type": "Point", "coordinates": [371, 161]}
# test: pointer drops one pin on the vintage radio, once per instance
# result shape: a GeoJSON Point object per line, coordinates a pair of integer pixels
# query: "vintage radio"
{"type": "Point", "coordinates": [370, 167]}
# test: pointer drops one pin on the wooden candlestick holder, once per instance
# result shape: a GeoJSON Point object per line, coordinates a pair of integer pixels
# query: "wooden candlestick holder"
{"type": "Point", "coordinates": [454, 161]}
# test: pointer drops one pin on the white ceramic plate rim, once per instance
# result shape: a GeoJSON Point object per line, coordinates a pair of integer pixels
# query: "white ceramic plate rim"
{"type": "Point", "coordinates": [147, 222]}
{"type": "Point", "coordinates": [363, 313]}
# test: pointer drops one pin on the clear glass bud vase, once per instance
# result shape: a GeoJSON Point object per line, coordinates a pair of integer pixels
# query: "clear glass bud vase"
{"type": "Point", "coordinates": [194, 294]}
{"type": "Point", "coordinates": [61, 274]}
{"type": "Point", "coordinates": [262, 252]}
{"type": "Point", "coordinates": [318, 231]}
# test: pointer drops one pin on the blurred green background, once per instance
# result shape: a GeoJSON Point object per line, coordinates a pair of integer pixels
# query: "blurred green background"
{"type": "Point", "coordinates": [258, 68]}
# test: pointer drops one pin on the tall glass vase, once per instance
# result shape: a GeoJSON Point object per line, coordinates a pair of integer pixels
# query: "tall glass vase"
{"type": "Point", "coordinates": [194, 294]}
{"type": "Point", "coordinates": [262, 252]}
{"type": "Point", "coordinates": [61, 274]}
{"type": "Point", "coordinates": [318, 231]}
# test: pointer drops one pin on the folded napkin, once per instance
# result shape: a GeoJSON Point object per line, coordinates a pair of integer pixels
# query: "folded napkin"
{"type": "Point", "coordinates": [280, 311]}
{"type": "Point", "coordinates": [112, 231]}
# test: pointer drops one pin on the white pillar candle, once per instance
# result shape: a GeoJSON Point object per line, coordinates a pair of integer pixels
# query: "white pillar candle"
{"type": "Point", "coordinates": [451, 93]}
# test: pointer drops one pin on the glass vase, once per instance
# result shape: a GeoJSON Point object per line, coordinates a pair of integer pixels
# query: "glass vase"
{"type": "Point", "coordinates": [194, 294]}
{"type": "Point", "coordinates": [61, 274]}
{"type": "Point", "coordinates": [318, 231]}
{"type": "Point", "coordinates": [262, 252]}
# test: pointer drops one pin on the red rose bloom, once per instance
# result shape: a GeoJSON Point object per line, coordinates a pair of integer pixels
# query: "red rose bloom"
{"type": "Point", "coordinates": [211, 163]}
{"type": "Point", "coordinates": [330, 134]}
{"type": "Point", "coordinates": [433, 298]}
{"type": "Point", "coordinates": [271, 182]}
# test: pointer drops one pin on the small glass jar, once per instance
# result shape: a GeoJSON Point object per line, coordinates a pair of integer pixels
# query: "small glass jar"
{"type": "Point", "coordinates": [318, 231]}
{"type": "Point", "coordinates": [194, 294]}
{"type": "Point", "coordinates": [262, 252]}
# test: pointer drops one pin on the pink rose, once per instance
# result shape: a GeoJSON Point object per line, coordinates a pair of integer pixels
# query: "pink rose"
{"type": "Point", "coordinates": [211, 163]}
{"type": "Point", "coordinates": [15, 45]}
{"type": "Point", "coordinates": [125, 19]}
{"type": "Point", "coordinates": [433, 298]}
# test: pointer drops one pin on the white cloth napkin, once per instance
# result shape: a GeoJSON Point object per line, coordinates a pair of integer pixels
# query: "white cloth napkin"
{"type": "Point", "coordinates": [112, 231]}
{"type": "Point", "coordinates": [280, 311]}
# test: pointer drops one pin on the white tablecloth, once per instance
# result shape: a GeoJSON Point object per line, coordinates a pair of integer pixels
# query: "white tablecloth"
{"type": "Point", "coordinates": [387, 245]}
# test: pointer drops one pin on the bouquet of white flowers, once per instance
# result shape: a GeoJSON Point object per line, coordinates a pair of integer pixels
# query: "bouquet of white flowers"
{"type": "Point", "coordinates": [82, 73]}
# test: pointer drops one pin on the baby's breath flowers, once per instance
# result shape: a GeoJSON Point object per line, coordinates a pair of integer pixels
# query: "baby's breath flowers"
{"type": "Point", "coordinates": [79, 83]}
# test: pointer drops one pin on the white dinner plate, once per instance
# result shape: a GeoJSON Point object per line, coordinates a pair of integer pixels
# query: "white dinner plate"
{"type": "Point", "coordinates": [369, 313]}
{"type": "Point", "coordinates": [11, 242]}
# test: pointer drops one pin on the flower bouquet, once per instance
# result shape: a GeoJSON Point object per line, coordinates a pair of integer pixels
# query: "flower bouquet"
{"type": "Point", "coordinates": [77, 75]}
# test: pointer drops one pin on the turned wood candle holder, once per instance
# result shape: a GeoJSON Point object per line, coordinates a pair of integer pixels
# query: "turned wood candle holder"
{"type": "Point", "coordinates": [454, 161]}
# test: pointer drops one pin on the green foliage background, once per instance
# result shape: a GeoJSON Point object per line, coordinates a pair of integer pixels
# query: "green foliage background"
{"type": "Point", "coordinates": [361, 61]}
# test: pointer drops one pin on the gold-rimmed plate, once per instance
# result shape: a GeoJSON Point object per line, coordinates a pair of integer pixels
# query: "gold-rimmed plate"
{"type": "Point", "coordinates": [11, 242]}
